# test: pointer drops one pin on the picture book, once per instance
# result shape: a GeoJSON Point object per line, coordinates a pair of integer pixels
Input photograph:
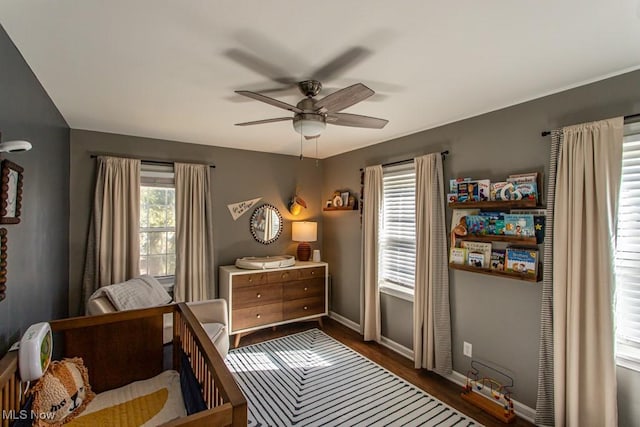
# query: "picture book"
{"type": "Point", "coordinates": [474, 191]}
{"type": "Point", "coordinates": [457, 220]}
{"type": "Point", "coordinates": [477, 225]}
{"type": "Point", "coordinates": [495, 222]}
{"type": "Point", "coordinates": [539, 220]}
{"type": "Point", "coordinates": [531, 177]}
{"type": "Point", "coordinates": [523, 261]}
{"type": "Point", "coordinates": [527, 190]}
{"type": "Point", "coordinates": [497, 259]}
{"type": "Point", "coordinates": [453, 184]}
{"type": "Point", "coordinates": [479, 247]}
{"type": "Point", "coordinates": [519, 225]}
{"type": "Point", "coordinates": [476, 259]}
{"type": "Point", "coordinates": [458, 256]}
{"type": "Point", "coordinates": [496, 188]}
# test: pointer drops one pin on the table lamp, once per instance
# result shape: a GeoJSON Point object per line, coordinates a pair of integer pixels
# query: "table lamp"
{"type": "Point", "coordinates": [304, 232]}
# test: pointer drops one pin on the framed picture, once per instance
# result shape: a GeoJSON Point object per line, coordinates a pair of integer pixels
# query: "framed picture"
{"type": "Point", "coordinates": [345, 198]}
{"type": "Point", "coordinates": [11, 192]}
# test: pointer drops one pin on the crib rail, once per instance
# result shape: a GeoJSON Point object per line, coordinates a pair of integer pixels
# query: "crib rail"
{"type": "Point", "coordinates": [10, 389]}
{"type": "Point", "coordinates": [219, 389]}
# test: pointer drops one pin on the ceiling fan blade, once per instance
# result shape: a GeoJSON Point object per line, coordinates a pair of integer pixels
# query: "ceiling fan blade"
{"type": "Point", "coordinates": [269, 100]}
{"type": "Point", "coordinates": [355, 120]}
{"type": "Point", "coordinates": [343, 98]}
{"type": "Point", "coordinates": [259, 122]}
{"type": "Point", "coordinates": [260, 66]}
{"type": "Point", "coordinates": [340, 63]}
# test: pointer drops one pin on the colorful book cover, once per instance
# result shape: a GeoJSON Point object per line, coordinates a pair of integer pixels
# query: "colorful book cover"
{"type": "Point", "coordinates": [498, 257]}
{"type": "Point", "coordinates": [527, 190]}
{"type": "Point", "coordinates": [476, 259]}
{"type": "Point", "coordinates": [459, 225]}
{"type": "Point", "coordinates": [523, 261]}
{"type": "Point", "coordinates": [519, 225]}
{"type": "Point", "coordinates": [495, 222]}
{"type": "Point", "coordinates": [477, 225]}
{"type": "Point", "coordinates": [453, 184]}
{"type": "Point", "coordinates": [539, 221]}
{"type": "Point", "coordinates": [483, 248]}
{"type": "Point", "coordinates": [458, 256]}
{"type": "Point", "coordinates": [496, 188]}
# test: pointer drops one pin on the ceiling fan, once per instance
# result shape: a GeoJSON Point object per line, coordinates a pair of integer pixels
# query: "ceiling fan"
{"type": "Point", "coordinates": [311, 115]}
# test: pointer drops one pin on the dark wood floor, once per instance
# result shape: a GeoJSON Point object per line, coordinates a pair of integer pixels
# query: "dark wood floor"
{"type": "Point", "coordinates": [433, 384]}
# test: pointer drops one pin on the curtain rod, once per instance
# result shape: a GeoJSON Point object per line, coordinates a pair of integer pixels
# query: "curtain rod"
{"type": "Point", "coordinates": [154, 162]}
{"type": "Point", "coordinates": [400, 162]}
{"type": "Point", "coordinates": [630, 117]}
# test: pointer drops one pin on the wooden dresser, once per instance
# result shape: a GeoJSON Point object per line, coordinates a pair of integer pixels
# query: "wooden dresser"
{"type": "Point", "coordinates": [263, 298]}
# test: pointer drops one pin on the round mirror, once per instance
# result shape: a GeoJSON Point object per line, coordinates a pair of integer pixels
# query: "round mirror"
{"type": "Point", "coordinates": [266, 224]}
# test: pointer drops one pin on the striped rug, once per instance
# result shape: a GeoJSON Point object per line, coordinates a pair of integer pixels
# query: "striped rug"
{"type": "Point", "coordinates": [310, 379]}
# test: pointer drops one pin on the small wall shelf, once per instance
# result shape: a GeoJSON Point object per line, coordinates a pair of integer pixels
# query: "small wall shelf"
{"type": "Point", "coordinates": [495, 204]}
{"type": "Point", "coordinates": [490, 272]}
{"type": "Point", "coordinates": [341, 208]}
{"type": "Point", "coordinates": [529, 240]}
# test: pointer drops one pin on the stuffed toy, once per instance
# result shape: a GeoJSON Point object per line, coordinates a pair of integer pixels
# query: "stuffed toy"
{"type": "Point", "coordinates": [62, 393]}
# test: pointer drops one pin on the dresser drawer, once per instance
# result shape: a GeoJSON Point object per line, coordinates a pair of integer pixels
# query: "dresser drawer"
{"type": "Point", "coordinates": [249, 279]}
{"type": "Point", "coordinates": [304, 289]}
{"type": "Point", "coordinates": [251, 296]}
{"type": "Point", "coordinates": [311, 273]}
{"type": "Point", "coordinates": [256, 316]}
{"type": "Point", "coordinates": [282, 276]}
{"type": "Point", "coordinates": [303, 307]}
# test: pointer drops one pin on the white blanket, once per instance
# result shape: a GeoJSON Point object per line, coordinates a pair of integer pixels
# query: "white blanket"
{"type": "Point", "coordinates": [140, 292]}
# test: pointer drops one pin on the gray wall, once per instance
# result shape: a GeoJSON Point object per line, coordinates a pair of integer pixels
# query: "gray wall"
{"type": "Point", "coordinates": [239, 175]}
{"type": "Point", "coordinates": [37, 272]}
{"type": "Point", "coordinates": [499, 316]}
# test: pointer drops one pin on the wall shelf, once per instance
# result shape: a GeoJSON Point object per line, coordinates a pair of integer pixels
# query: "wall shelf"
{"type": "Point", "coordinates": [495, 204]}
{"type": "Point", "coordinates": [341, 208]}
{"type": "Point", "coordinates": [529, 240]}
{"type": "Point", "coordinates": [490, 272]}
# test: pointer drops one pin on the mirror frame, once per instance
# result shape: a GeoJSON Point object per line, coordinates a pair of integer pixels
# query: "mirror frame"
{"type": "Point", "coordinates": [254, 215]}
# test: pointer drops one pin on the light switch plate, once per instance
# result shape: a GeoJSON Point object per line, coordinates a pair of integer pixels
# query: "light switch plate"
{"type": "Point", "coordinates": [467, 350]}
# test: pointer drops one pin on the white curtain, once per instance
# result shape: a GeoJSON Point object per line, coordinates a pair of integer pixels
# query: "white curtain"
{"type": "Point", "coordinates": [194, 234]}
{"type": "Point", "coordinates": [113, 243]}
{"type": "Point", "coordinates": [587, 185]}
{"type": "Point", "coordinates": [431, 316]}
{"type": "Point", "coordinates": [370, 223]}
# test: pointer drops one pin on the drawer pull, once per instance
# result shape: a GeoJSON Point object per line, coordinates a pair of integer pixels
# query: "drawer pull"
{"type": "Point", "coordinates": [250, 279]}
{"type": "Point", "coordinates": [258, 316]}
{"type": "Point", "coordinates": [284, 275]}
{"type": "Point", "coordinates": [306, 289]}
{"type": "Point", "coordinates": [259, 295]}
{"type": "Point", "coordinates": [313, 272]}
{"type": "Point", "coordinates": [306, 308]}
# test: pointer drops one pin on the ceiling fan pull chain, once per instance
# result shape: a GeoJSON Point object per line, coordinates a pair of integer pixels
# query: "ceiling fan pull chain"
{"type": "Point", "coordinates": [301, 157]}
{"type": "Point", "coordinates": [317, 150]}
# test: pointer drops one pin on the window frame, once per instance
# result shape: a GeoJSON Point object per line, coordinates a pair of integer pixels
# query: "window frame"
{"type": "Point", "coordinates": [389, 287]}
{"type": "Point", "coordinates": [158, 176]}
{"type": "Point", "coordinates": [627, 352]}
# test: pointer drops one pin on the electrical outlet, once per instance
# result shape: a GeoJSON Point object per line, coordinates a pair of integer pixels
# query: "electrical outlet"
{"type": "Point", "coordinates": [467, 349]}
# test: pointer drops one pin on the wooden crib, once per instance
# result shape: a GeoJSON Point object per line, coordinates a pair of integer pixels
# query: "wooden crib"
{"type": "Point", "coordinates": [123, 347]}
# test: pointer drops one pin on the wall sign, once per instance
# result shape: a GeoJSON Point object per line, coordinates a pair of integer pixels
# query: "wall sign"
{"type": "Point", "coordinates": [238, 209]}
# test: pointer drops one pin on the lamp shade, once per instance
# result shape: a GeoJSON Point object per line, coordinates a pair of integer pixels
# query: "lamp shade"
{"type": "Point", "coordinates": [304, 231]}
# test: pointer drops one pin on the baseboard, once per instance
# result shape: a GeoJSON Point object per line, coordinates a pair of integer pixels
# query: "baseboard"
{"type": "Point", "coordinates": [520, 409]}
{"type": "Point", "coordinates": [398, 348]}
{"type": "Point", "coordinates": [346, 322]}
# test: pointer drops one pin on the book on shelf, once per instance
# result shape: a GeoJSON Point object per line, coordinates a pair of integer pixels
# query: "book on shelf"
{"type": "Point", "coordinates": [539, 220]}
{"type": "Point", "coordinates": [519, 225]}
{"type": "Point", "coordinates": [458, 256]}
{"type": "Point", "coordinates": [483, 248]}
{"type": "Point", "coordinates": [474, 191]}
{"type": "Point", "coordinates": [498, 257]}
{"type": "Point", "coordinates": [495, 222]}
{"type": "Point", "coordinates": [476, 259]}
{"type": "Point", "coordinates": [524, 261]}
{"type": "Point", "coordinates": [477, 225]}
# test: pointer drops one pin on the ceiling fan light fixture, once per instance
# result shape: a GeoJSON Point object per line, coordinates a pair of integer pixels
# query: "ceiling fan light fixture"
{"type": "Point", "coordinates": [309, 124]}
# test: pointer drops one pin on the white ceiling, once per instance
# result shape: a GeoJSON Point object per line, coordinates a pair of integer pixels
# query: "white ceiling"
{"type": "Point", "coordinates": [162, 68]}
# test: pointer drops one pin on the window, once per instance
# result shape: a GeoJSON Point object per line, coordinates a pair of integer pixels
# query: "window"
{"type": "Point", "coordinates": [627, 267]}
{"type": "Point", "coordinates": [397, 236]}
{"type": "Point", "coordinates": [157, 221]}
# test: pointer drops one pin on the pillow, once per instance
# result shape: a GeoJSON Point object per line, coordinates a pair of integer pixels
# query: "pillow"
{"type": "Point", "coordinates": [140, 292]}
{"type": "Point", "coordinates": [62, 393]}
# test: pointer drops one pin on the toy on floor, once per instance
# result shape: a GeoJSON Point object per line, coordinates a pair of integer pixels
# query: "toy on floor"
{"type": "Point", "coordinates": [502, 407]}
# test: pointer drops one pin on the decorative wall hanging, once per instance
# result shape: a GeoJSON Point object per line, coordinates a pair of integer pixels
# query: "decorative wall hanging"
{"type": "Point", "coordinates": [11, 194]}
{"type": "Point", "coordinates": [296, 204]}
{"type": "Point", "coordinates": [238, 209]}
{"type": "Point", "coordinates": [3, 262]}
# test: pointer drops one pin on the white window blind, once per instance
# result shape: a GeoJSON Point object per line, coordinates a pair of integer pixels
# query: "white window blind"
{"type": "Point", "coordinates": [628, 253]}
{"type": "Point", "coordinates": [398, 227]}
